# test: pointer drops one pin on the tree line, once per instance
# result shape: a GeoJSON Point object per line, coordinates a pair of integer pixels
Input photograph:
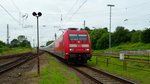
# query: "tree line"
{"type": "Point", "coordinates": [100, 37]}
{"type": "Point", "coordinates": [20, 41]}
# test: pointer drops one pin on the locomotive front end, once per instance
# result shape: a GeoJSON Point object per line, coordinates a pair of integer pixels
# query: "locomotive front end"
{"type": "Point", "coordinates": [79, 47]}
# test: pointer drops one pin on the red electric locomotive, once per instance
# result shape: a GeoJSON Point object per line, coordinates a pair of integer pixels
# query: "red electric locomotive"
{"type": "Point", "coordinates": [73, 46]}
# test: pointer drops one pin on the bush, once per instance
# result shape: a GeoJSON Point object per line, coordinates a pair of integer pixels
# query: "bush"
{"type": "Point", "coordinates": [103, 42]}
{"type": "Point", "coordinates": [145, 36]}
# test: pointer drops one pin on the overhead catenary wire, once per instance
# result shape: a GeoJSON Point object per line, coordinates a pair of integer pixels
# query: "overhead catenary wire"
{"type": "Point", "coordinates": [117, 9]}
{"type": "Point", "coordinates": [19, 12]}
{"type": "Point", "coordinates": [9, 13]}
{"type": "Point", "coordinates": [71, 8]}
{"type": "Point", "coordinates": [77, 10]}
{"type": "Point", "coordinates": [15, 5]}
{"type": "Point", "coordinates": [66, 15]}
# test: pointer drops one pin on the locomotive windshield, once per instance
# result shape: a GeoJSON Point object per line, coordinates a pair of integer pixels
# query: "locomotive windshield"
{"type": "Point", "coordinates": [77, 36]}
{"type": "Point", "coordinates": [82, 37]}
{"type": "Point", "coordinates": [73, 36]}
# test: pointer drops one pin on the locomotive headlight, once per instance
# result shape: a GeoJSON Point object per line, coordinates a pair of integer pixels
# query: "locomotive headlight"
{"type": "Point", "coordinates": [71, 49]}
{"type": "Point", "coordinates": [67, 53]}
{"type": "Point", "coordinates": [87, 49]}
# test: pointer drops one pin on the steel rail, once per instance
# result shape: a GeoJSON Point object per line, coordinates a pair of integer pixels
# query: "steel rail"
{"type": "Point", "coordinates": [123, 80]}
{"type": "Point", "coordinates": [88, 76]}
{"type": "Point", "coordinates": [13, 64]}
{"type": "Point", "coordinates": [119, 79]}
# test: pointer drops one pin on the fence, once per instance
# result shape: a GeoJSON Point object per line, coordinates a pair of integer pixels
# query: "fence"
{"type": "Point", "coordinates": [139, 60]}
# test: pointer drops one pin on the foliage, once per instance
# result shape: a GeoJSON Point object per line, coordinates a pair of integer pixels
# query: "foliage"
{"type": "Point", "coordinates": [136, 36]}
{"type": "Point", "coordinates": [87, 29]}
{"type": "Point", "coordinates": [130, 46]}
{"type": "Point", "coordinates": [95, 35]}
{"type": "Point", "coordinates": [21, 38]}
{"type": "Point", "coordinates": [25, 43]}
{"type": "Point", "coordinates": [2, 44]}
{"type": "Point", "coordinates": [21, 41]}
{"type": "Point", "coordinates": [146, 35]}
{"type": "Point", "coordinates": [121, 35]}
{"type": "Point", "coordinates": [14, 43]}
{"type": "Point", "coordinates": [3, 47]}
{"type": "Point", "coordinates": [100, 38]}
{"type": "Point", "coordinates": [103, 42]}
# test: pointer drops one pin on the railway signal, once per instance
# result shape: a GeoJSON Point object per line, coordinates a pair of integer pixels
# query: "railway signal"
{"type": "Point", "coordinates": [37, 15]}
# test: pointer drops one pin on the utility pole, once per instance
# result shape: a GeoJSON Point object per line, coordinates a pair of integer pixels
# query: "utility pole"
{"type": "Point", "coordinates": [110, 5]}
{"type": "Point", "coordinates": [84, 24]}
{"type": "Point", "coordinates": [7, 34]}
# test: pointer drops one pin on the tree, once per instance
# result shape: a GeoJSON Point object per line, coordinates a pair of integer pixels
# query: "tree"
{"type": "Point", "coordinates": [21, 38]}
{"type": "Point", "coordinates": [145, 36]}
{"type": "Point", "coordinates": [21, 41]}
{"type": "Point", "coordinates": [136, 36]}
{"type": "Point", "coordinates": [15, 43]}
{"type": "Point", "coordinates": [2, 44]}
{"type": "Point", "coordinates": [49, 42]}
{"type": "Point", "coordinates": [103, 42]}
{"type": "Point", "coordinates": [121, 35]}
{"type": "Point", "coordinates": [25, 43]}
{"type": "Point", "coordinates": [95, 35]}
{"type": "Point", "coordinates": [87, 29]}
{"type": "Point", "coordinates": [3, 47]}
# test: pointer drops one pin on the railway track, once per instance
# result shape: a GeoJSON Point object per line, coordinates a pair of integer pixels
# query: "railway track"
{"type": "Point", "coordinates": [97, 76]}
{"type": "Point", "coordinates": [100, 77]}
{"type": "Point", "coordinates": [17, 62]}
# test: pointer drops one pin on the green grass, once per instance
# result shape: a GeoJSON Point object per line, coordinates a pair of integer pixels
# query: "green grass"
{"type": "Point", "coordinates": [116, 67]}
{"type": "Point", "coordinates": [131, 46]}
{"type": "Point", "coordinates": [15, 51]}
{"type": "Point", "coordinates": [136, 70]}
{"type": "Point", "coordinates": [56, 73]}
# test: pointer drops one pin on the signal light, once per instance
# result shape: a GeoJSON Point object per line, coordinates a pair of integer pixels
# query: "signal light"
{"type": "Point", "coordinates": [34, 14]}
{"type": "Point", "coordinates": [39, 13]}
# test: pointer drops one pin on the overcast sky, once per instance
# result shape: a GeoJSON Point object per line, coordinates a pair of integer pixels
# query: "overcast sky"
{"type": "Point", "coordinates": [132, 14]}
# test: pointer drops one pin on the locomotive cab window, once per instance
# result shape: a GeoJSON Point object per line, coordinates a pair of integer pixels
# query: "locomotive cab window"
{"type": "Point", "coordinates": [73, 36]}
{"type": "Point", "coordinates": [82, 37]}
{"type": "Point", "coordinates": [78, 37]}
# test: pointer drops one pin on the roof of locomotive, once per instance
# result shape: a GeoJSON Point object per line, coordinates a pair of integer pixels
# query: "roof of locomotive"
{"type": "Point", "coordinates": [75, 30]}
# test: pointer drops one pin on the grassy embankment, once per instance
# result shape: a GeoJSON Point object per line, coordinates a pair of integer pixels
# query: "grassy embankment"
{"type": "Point", "coordinates": [131, 46]}
{"type": "Point", "coordinates": [7, 51]}
{"type": "Point", "coordinates": [56, 73]}
{"type": "Point", "coordinates": [137, 71]}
